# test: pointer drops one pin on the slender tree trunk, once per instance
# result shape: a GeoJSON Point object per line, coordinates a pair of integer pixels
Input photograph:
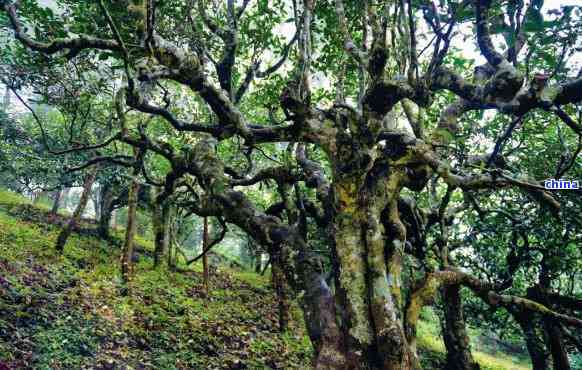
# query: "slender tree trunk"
{"type": "Point", "coordinates": [106, 211]}
{"type": "Point", "coordinates": [172, 248]}
{"type": "Point", "coordinates": [556, 343]}
{"type": "Point", "coordinates": [6, 101]}
{"type": "Point", "coordinates": [76, 217]}
{"type": "Point", "coordinates": [533, 339]}
{"type": "Point", "coordinates": [456, 340]}
{"type": "Point", "coordinates": [265, 267]}
{"type": "Point", "coordinates": [56, 201]}
{"type": "Point", "coordinates": [281, 291]}
{"type": "Point", "coordinates": [257, 265]}
{"type": "Point", "coordinates": [127, 257]}
{"type": "Point", "coordinates": [160, 223]}
{"type": "Point", "coordinates": [554, 339]}
{"type": "Point", "coordinates": [205, 241]}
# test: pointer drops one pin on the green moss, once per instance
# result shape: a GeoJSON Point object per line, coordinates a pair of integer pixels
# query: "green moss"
{"type": "Point", "coordinates": [68, 311]}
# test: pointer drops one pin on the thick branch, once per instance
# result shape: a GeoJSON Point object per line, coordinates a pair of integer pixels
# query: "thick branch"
{"type": "Point", "coordinates": [280, 174]}
{"type": "Point", "coordinates": [73, 45]}
{"type": "Point", "coordinates": [483, 37]}
{"type": "Point", "coordinates": [435, 280]}
{"type": "Point", "coordinates": [121, 160]}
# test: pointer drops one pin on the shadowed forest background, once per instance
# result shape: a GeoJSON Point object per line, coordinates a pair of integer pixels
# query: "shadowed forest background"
{"type": "Point", "coordinates": [290, 184]}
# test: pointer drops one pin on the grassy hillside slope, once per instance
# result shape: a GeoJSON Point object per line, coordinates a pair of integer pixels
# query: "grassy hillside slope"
{"type": "Point", "coordinates": [65, 312]}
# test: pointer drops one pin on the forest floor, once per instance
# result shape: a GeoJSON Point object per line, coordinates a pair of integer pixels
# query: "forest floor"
{"type": "Point", "coordinates": [66, 312]}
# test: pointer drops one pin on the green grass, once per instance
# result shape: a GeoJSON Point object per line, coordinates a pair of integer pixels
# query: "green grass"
{"type": "Point", "coordinates": [431, 343]}
{"type": "Point", "coordinates": [66, 312]}
{"type": "Point", "coordinates": [9, 199]}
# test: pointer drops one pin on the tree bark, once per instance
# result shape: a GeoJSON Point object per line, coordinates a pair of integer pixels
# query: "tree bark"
{"type": "Point", "coordinates": [281, 291]}
{"type": "Point", "coordinates": [160, 223]}
{"type": "Point", "coordinates": [172, 248]}
{"type": "Point", "coordinates": [319, 310]}
{"type": "Point", "coordinates": [456, 340]}
{"type": "Point", "coordinates": [76, 217]}
{"type": "Point", "coordinates": [370, 274]}
{"type": "Point", "coordinates": [127, 257]}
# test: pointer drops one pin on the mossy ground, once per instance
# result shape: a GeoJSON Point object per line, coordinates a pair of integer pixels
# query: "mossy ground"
{"type": "Point", "coordinates": [432, 348]}
{"type": "Point", "coordinates": [66, 312]}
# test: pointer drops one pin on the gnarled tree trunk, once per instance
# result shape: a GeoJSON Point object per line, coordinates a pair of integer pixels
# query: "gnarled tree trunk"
{"type": "Point", "coordinates": [370, 254]}
{"type": "Point", "coordinates": [319, 310]}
